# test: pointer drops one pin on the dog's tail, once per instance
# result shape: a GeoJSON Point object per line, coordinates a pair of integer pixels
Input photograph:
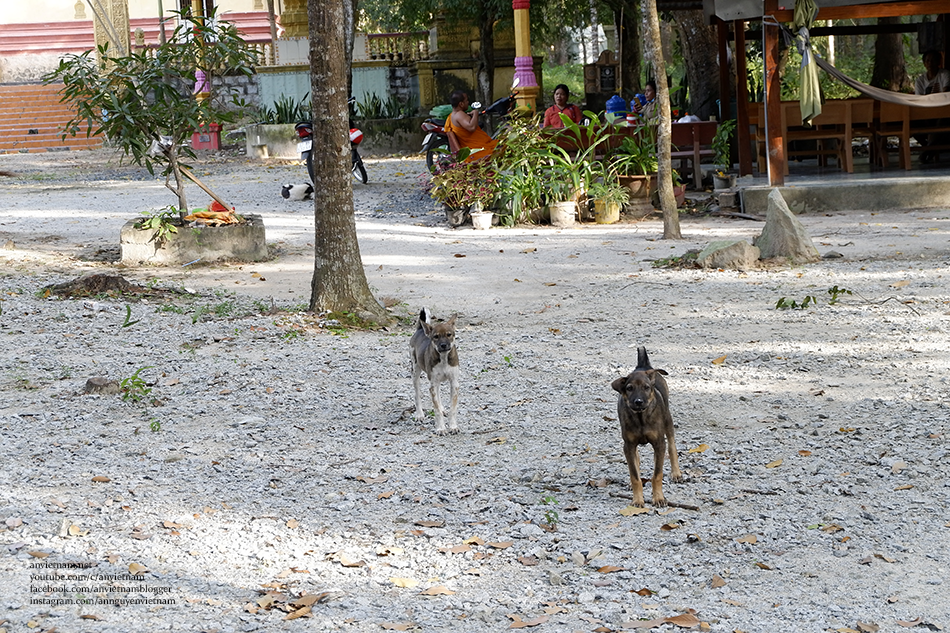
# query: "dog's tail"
{"type": "Point", "coordinates": [643, 361]}
{"type": "Point", "coordinates": [424, 317]}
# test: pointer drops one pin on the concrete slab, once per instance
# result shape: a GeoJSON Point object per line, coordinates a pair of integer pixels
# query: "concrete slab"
{"type": "Point", "coordinates": [234, 242]}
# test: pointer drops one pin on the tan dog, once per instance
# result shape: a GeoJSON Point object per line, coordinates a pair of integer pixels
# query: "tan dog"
{"type": "Point", "coordinates": [644, 412]}
{"type": "Point", "coordinates": [432, 350]}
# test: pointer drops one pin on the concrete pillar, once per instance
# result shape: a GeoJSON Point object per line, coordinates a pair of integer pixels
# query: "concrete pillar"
{"type": "Point", "coordinates": [527, 90]}
{"type": "Point", "coordinates": [111, 25]}
{"type": "Point", "coordinates": [294, 19]}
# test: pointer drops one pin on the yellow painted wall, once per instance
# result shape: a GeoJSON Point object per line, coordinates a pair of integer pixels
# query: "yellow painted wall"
{"type": "Point", "coordinates": [17, 12]}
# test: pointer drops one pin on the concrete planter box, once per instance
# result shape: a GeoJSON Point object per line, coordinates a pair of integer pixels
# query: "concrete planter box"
{"type": "Point", "coordinates": [271, 141]}
{"type": "Point", "coordinates": [236, 242]}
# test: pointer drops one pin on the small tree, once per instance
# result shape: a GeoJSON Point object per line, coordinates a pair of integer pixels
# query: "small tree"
{"type": "Point", "coordinates": [143, 102]}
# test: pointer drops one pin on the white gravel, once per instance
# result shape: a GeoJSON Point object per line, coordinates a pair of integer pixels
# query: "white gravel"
{"type": "Point", "coordinates": [287, 459]}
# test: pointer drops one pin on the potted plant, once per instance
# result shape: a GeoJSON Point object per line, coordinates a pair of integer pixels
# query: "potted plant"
{"type": "Point", "coordinates": [609, 196]}
{"type": "Point", "coordinates": [634, 163]}
{"type": "Point", "coordinates": [459, 185]}
{"type": "Point", "coordinates": [721, 145]}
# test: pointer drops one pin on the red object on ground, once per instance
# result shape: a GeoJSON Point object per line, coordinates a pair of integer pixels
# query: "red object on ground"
{"type": "Point", "coordinates": [217, 206]}
{"type": "Point", "coordinates": [207, 137]}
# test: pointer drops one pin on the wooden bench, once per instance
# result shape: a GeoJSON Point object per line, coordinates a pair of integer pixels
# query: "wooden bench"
{"type": "Point", "coordinates": [692, 142]}
{"type": "Point", "coordinates": [904, 123]}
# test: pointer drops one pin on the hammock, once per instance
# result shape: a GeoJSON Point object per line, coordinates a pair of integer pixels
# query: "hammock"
{"type": "Point", "coordinates": [934, 100]}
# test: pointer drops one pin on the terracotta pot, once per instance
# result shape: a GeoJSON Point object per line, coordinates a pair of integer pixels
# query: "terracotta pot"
{"type": "Point", "coordinates": [639, 205]}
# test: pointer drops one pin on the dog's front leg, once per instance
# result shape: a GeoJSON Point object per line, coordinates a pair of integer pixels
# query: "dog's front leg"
{"type": "Point", "coordinates": [657, 482]}
{"type": "Point", "coordinates": [454, 401]}
{"type": "Point", "coordinates": [437, 403]}
{"type": "Point", "coordinates": [633, 465]}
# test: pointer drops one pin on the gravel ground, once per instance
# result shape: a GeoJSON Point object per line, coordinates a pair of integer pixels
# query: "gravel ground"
{"type": "Point", "coordinates": [273, 478]}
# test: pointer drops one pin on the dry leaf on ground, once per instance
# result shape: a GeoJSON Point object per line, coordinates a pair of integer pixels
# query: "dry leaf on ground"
{"type": "Point", "coordinates": [751, 539]}
{"type": "Point", "coordinates": [438, 590]}
{"type": "Point", "coordinates": [407, 583]}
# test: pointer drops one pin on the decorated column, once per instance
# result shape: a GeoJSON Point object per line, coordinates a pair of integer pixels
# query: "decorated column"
{"type": "Point", "coordinates": [527, 90]}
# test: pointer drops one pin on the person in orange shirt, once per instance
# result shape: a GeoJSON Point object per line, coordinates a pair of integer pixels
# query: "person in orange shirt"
{"type": "Point", "coordinates": [465, 127]}
{"type": "Point", "coordinates": [552, 116]}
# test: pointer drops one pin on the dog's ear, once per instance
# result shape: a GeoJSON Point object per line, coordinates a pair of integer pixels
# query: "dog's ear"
{"type": "Point", "coordinates": [451, 321]}
{"type": "Point", "coordinates": [619, 384]}
{"type": "Point", "coordinates": [426, 327]}
{"type": "Point", "coordinates": [661, 371]}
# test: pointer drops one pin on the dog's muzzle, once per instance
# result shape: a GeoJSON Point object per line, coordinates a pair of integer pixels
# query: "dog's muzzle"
{"type": "Point", "coordinates": [638, 405]}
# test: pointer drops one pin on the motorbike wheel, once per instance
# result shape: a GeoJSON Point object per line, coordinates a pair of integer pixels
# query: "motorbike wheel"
{"type": "Point", "coordinates": [359, 172]}
{"type": "Point", "coordinates": [309, 159]}
{"type": "Point", "coordinates": [436, 153]}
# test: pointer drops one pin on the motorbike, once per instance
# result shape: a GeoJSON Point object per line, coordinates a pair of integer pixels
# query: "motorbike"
{"type": "Point", "coordinates": [304, 131]}
{"type": "Point", "coordinates": [436, 141]}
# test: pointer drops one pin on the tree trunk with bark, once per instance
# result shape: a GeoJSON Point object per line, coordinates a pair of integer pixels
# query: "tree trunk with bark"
{"type": "Point", "coordinates": [339, 282]}
{"type": "Point", "coordinates": [671, 220]}
{"type": "Point", "coordinates": [700, 48]}
{"type": "Point", "coordinates": [627, 20]}
{"type": "Point", "coordinates": [485, 73]}
{"type": "Point", "coordinates": [890, 72]}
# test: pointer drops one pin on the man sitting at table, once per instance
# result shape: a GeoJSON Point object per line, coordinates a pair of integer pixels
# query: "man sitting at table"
{"type": "Point", "coordinates": [465, 127]}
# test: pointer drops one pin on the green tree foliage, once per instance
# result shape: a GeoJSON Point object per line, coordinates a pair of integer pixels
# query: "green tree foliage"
{"type": "Point", "coordinates": [143, 101]}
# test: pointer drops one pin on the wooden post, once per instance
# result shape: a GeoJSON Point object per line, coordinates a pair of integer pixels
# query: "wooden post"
{"type": "Point", "coordinates": [722, 32]}
{"type": "Point", "coordinates": [773, 99]}
{"type": "Point", "coordinates": [742, 101]}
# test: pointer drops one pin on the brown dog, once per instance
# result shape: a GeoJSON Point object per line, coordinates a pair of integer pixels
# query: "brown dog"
{"type": "Point", "coordinates": [432, 350]}
{"type": "Point", "coordinates": [644, 412]}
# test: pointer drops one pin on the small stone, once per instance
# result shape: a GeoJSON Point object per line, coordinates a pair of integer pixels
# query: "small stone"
{"type": "Point", "coordinates": [100, 385]}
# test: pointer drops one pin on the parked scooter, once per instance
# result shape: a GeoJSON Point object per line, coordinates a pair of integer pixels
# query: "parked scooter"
{"type": "Point", "coordinates": [304, 131]}
{"type": "Point", "coordinates": [436, 142]}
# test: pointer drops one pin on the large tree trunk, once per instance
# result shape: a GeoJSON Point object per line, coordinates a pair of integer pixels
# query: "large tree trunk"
{"type": "Point", "coordinates": [890, 71]}
{"type": "Point", "coordinates": [485, 73]}
{"type": "Point", "coordinates": [700, 47]}
{"type": "Point", "coordinates": [627, 21]}
{"type": "Point", "coordinates": [671, 220]}
{"type": "Point", "coordinates": [339, 282]}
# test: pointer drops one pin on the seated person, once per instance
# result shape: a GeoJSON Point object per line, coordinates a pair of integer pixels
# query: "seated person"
{"type": "Point", "coordinates": [465, 127]}
{"type": "Point", "coordinates": [647, 111]}
{"type": "Point", "coordinates": [552, 116]}
{"type": "Point", "coordinates": [936, 79]}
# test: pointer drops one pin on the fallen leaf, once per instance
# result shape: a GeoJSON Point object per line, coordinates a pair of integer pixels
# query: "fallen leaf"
{"type": "Point", "coordinates": [699, 449]}
{"type": "Point", "coordinates": [831, 528]}
{"type": "Point", "coordinates": [775, 464]}
{"type": "Point", "coordinates": [644, 624]}
{"type": "Point", "coordinates": [38, 554]}
{"type": "Point", "coordinates": [804, 453]}
{"type": "Point", "coordinates": [896, 467]}
{"type": "Point", "coordinates": [293, 524]}
{"type": "Point", "coordinates": [432, 524]}
{"type": "Point", "coordinates": [667, 527]}
{"type": "Point", "coordinates": [717, 581]}
{"type": "Point", "coordinates": [685, 620]}
{"type": "Point", "coordinates": [598, 483]}
{"type": "Point", "coordinates": [904, 487]}
{"type": "Point", "coordinates": [385, 495]}
{"type": "Point", "coordinates": [397, 626]}
{"type": "Point", "coordinates": [886, 559]}
{"type": "Point", "coordinates": [406, 583]}
{"type": "Point", "coordinates": [748, 538]}
{"type": "Point", "coordinates": [530, 249]}
{"type": "Point", "coordinates": [298, 613]}
{"type": "Point", "coordinates": [501, 544]}
{"type": "Point", "coordinates": [373, 480]}
{"type": "Point", "coordinates": [346, 562]}
{"type": "Point", "coordinates": [762, 566]}
{"type": "Point", "coordinates": [907, 624]}
{"type": "Point", "coordinates": [137, 569]}
{"type": "Point", "coordinates": [522, 624]}
{"type": "Point", "coordinates": [528, 561]}
{"type": "Point", "coordinates": [437, 591]}
{"type": "Point", "coordinates": [868, 627]}
{"type": "Point", "coordinates": [900, 284]}
{"type": "Point", "coordinates": [632, 510]}
{"type": "Point", "coordinates": [720, 360]}
{"type": "Point", "coordinates": [89, 616]}
{"type": "Point", "coordinates": [101, 479]}
{"type": "Point", "coordinates": [458, 255]}
{"type": "Point", "coordinates": [75, 530]}
{"type": "Point", "coordinates": [607, 569]}
{"type": "Point", "coordinates": [643, 591]}
{"type": "Point", "coordinates": [734, 603]}
{"type": "Point", "coordinates": [458, 549]}
{"type": "Point", "coordinates": [474, 540]}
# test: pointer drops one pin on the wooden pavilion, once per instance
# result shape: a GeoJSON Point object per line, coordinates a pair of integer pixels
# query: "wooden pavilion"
{"type": "Point", "coordinates": [732, 15]}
